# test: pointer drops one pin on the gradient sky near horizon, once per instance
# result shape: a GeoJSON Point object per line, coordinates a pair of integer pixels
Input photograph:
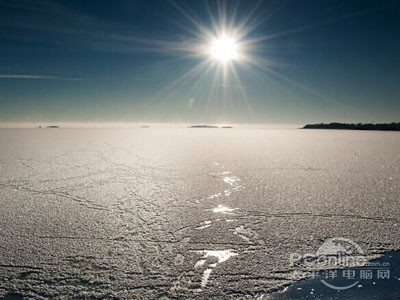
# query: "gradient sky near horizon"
{"type": "Point", "coordinates": [138, 61]}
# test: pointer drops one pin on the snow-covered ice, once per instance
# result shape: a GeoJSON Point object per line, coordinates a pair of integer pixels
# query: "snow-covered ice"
{"type": "Point", "coordinates": [129, 213]}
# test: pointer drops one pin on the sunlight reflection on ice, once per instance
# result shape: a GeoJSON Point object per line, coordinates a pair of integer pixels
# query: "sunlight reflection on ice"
{"type": "Point", "coordinates": [232, 180]}
{"type": "Point", "coordinates": [220, 255]}
{"type": "Point", "coordinates": [223, 209]}
{"type": "Point", "coordinates": [215, 196]}
{"type": "Point", "coordinates": [205, 224]}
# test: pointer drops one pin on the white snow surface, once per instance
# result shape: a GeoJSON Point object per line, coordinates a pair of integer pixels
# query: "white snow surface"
{"type": "Point", "coordinates": [128, 213]}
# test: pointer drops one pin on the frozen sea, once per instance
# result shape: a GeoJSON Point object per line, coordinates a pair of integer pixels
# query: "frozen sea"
{"type": "Point", "coordinates": [168, 213]}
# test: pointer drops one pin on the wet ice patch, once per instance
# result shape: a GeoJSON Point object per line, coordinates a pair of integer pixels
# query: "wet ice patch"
{"type": "Point", "coordinates": [223, 209]}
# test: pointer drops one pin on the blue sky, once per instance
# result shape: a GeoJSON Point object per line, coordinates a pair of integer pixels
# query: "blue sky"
{"type": "Point", "coordinates": [139, 61]}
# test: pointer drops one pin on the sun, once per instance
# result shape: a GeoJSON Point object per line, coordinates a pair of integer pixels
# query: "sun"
{"type": "Point", "coordinates": [224, 49]}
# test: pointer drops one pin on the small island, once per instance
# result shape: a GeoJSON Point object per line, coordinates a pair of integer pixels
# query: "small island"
{"type": "Point", "coordinates": [52, 126]}
{"type": "Point", "coordinates": [203, 126]}
{"type": "Point", "coordinates": [359, 126]}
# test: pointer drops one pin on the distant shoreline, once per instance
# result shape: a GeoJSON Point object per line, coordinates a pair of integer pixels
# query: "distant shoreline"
{"type": "Point", "coordinates": [360, 126]}
{"type": "Point", "coordinates": [209, 126]}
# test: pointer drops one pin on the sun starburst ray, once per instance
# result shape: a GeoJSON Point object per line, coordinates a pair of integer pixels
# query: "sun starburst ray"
{"type": "Point", "coordinates": [230, 41]}
{"type": "Point", "coordinates": [242, 90]}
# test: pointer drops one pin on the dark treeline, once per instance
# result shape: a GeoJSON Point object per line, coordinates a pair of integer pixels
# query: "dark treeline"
{"type": "Point", "coordinates": [383, 126]}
